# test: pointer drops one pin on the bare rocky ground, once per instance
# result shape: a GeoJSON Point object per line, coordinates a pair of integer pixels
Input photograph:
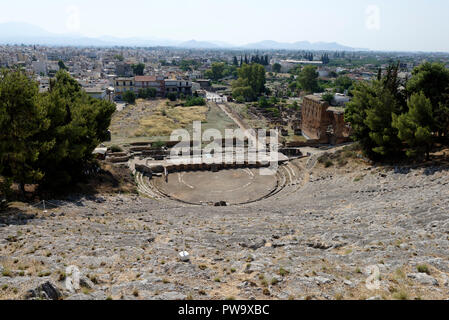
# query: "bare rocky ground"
{"type": "Point", "coordinates": [315, 243]}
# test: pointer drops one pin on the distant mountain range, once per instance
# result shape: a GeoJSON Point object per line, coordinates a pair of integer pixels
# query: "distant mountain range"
{"type": "Point", "coordinates": [300, 45]}
{"type": "Point", "coordinates": [23, 33]}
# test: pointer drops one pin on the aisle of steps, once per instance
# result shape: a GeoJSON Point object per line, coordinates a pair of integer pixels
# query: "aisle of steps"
{"type": "Point", "coordinates": [291, 176]}
{"type": "Point", "coordinates": [145, 189]}
{"type": "Point", "coordinates": [151, 184]}
{"type": "Point", "coordinates": [289, 179]}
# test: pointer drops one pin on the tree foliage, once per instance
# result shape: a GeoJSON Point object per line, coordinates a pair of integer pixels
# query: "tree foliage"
{"type": "Point", "coordinates": [391, 117]}
{"type": "Point", "coordinates": [48, 138]}
{"type": "Point", "coordinates": [172, 96]}
{"type": "Point", "coordinates": [277, 67]}
{"type": "Point", "coordinates": [328, 97]}
{"type": "Point", "coordinates": [147, 93]}
{"type": "Point", "coordinates": [308, 79]}
{"type": "Point", "coordinates": [250, 83]}
{"type": "Point", "coordinates": [22, 118]}
{"type": "Point", "coordinates": [194, 101]}
{"type": "Point", "coordinates": [216, 72]}
{"type": "Point", "coordinates": [220, 70]}
{"type": "Point", "coordinates": [325, 58]}
{"type": "Point", "coordinates": [433, 80]}
{"type": "Point", "coordinates": [415, 126]}
{"type": "Point", "coordinates": [62, 65]}
{"type": "Point", "coordinates": [343, 83]}
{"type": "Point", "coordinates": [138, 69]}
{"type": "Point", "coordinates": [129, 96]}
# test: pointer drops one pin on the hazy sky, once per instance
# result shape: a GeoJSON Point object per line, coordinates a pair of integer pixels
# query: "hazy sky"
{"type": "Point", "coordinates": [374, 24]}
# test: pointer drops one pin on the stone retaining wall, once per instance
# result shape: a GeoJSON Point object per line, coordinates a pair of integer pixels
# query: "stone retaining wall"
{"type": "Point", "coordinates": [172, 168]}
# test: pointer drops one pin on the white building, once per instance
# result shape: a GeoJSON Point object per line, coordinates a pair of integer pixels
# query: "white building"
{"type": "Point", "coordinates": [96, 92]}
{"type": "Point", "coordinates": [39, 67]}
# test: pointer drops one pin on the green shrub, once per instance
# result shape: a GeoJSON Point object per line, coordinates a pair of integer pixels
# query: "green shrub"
{"type": "Point", "coordinates": [328, 163]}
{"type": "Point", "coordinates": [116, 149]}
{"type": "Point", "coordinates": [129, 96]}
{"type": "Point", "coordinates": [158, 145]}
{"type": "Point", "coordinates": [194, 101]}
{"type": "Point", "coordinates": [401, 295]}
{"type": "Point", "coordinates": [283, 272]}
{"type": "Point", "coordinates": [172, 96]}
{"type": "Point", "coordinates": [423, 269]}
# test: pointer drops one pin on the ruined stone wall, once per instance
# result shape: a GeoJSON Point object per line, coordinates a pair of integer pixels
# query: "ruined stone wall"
{"type": "Point", "coordinates": [323, 124]}
{"type": "Point", "coordinates": [315, 119]}
{"type": "Point", "coordinates": [341, 130]}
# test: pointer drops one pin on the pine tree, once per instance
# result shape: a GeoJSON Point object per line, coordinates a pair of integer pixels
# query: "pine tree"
{"type": "Point", "coordinates": [77, 125]}
{"type": "Point", "coordinates": [433, 80]}
{"type": "Point", "coordinates": [414, 127]}
{"type": "Point", "coordinates": [22, 119]}
{"type": "Point", "coordinates": [308, 79]}
{"type": "Point", "coordinates": [371, 114]}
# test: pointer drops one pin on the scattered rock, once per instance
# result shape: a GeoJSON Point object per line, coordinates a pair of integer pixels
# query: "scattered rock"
{"type": "Point", "coordinates": [100, 200]}
{"type": "Point", "coordinates": [80, 297]}
{"type": "Point", "coordinates": [86, 283]}
{"type": "Point", "coordinates": [322, 280]}
{"type": "Point", "coordinates": [46, 291]}
{"type": "Point", "coordinates": [445, 281]}
{"type": "Point", "coordinates": [221, 204]}
{"type": "Point", "coordinates": [254, 246]}
{"type": "Point", "coordinates": [171, 296]}
{"type": "Point", "coordinates": [404, 227]}
{"type": "Point", "coordinates": [319, 245]}
{"type": "Point", "coordinates": [348, 283]}
{"type": "Point", "coordinates": [374, 298]}
{"type": "Point", "coordinates": [423, 278]}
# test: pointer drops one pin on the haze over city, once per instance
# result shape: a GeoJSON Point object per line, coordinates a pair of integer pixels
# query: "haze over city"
{"type": "Point", "coordinates": [376, 25]}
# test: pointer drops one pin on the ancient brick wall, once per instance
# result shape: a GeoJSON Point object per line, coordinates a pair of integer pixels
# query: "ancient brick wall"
{"type": "Point", "coordinates": [315, 119]}
{"type": "Point", "coordinates": [322, 123]}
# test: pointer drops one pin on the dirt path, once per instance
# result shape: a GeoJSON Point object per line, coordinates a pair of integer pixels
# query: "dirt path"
{"type": "Point", "coordinates": [239, 121]}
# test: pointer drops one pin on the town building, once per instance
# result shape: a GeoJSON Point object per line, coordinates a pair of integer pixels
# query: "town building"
{"type": "Point", "coordinates": [123, 69]}
{"type": "Point", "coordinates": [96, 92]}
{"type": "Point", "coordinates": [205, 84]}
{"type": "Point", "coordinates": [145, 82]}
{"type": "Point", "coordinates": [178, 86]}
{"type": "Point", "coordinates": [123, 84]}
{"type": "Point", "coordinates": [39, 67]}
{"type": "Point", "coordinates": [162, 86]}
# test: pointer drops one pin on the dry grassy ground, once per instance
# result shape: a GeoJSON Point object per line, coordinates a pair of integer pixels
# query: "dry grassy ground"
{"type": "Point", "coordinates": [155, 120]}
{"type": "Point", "coordinates": [254, 121]}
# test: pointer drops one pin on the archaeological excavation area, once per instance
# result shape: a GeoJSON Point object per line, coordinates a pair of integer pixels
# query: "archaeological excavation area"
{"type": "Point", "coordinates": [219, 184]}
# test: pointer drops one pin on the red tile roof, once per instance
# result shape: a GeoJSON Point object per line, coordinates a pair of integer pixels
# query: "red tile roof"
{"type": "Point", "coordinates": [144, 78]}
